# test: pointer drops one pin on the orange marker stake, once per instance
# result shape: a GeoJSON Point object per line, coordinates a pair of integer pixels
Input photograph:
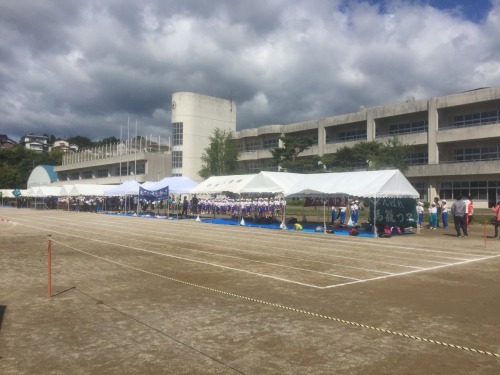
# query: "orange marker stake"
{"type": "Point", "coordinates": [49, 256]}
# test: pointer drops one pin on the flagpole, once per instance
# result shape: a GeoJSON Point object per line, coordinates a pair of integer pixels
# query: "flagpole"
{"type": "Point", "coordinates": [135, 146]}
{"type": "Point", "coordinates": [128, 144]}
{"type": "Point", "coordinates": [121, 126]}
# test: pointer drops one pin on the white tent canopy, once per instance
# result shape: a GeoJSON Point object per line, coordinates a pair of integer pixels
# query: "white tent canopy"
{"type": "Point", "coordinates": [369, 184]}
{"type": "Point", "coordinates": [127, 188]}
{"type": "Point", "coordinates": [176, 185]}
{"type": "Point", "coordinates": [219, 184]}
{"type": "Point", "coordinates": [86, 189]}
{"type": "Point", "coordinates": [271, 182]}
{"type": "Point", "coordinates": [8, 193]}
{"type": "Point", "coordinates": [44, 191]}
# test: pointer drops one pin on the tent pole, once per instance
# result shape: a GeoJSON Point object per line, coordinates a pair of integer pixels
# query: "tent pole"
{"type": "Point", "coordinates": [375, 234]}
{"type": "Point", "coordinates": [324, 216]}
{"type": "Point", "coordinates": [283, 222]}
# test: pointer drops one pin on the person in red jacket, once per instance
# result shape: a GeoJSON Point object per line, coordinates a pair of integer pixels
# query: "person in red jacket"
{"type": "Point", "coordinates": [470, 211]}
{"type": "Point", "coordinates": [496, 221]}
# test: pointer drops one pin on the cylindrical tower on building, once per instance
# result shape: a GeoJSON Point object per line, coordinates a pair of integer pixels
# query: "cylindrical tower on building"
{"type": "Point", "coordinates": [194, 119]}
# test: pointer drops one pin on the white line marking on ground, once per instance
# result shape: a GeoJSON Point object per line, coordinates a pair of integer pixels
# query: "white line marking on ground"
{"type": "Point", "coordinates": [410, 272]}
{"type": "Point", "coordinates": [300, 252]}
{"type": "Point", "coordinates": [287, 280]}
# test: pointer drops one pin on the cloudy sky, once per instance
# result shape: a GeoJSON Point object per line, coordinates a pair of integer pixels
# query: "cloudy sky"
{"type": "Point", "coordinates": [87, 67]}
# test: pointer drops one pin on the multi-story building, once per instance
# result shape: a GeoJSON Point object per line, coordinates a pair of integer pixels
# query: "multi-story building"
{"type": "Point", "coordinates": [456, 140]}
{"type": "Point", "coordinates": [194, 119]}
{"type": "Point", "coordinates": [114, 164]}
{"type": "Point", "coordinates": [39, 143]}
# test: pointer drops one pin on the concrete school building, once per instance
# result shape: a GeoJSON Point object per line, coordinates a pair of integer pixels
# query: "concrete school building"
{"type": "Point", "coordinates": [112, 164]}
{"type": "Point", "coordinates": [194, 119]}
{"type": "Point", "coordinates": [456, 139]}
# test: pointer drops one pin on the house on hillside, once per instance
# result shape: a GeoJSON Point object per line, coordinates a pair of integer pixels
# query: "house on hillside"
{"type": "Point", "coordinates": [39, 143]}
{"type": "Point", "coordinates": [63, 145]}
{"type": "Point", "coordinates": [6, 142]}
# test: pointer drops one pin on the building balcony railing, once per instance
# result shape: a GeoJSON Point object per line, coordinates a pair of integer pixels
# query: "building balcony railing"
{"type": "Point", "coordinates": [455, 168]}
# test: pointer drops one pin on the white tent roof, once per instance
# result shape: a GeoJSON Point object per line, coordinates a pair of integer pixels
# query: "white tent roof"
{"type": "Point", "coordinates": [86, 189]}
{"type": "Point", "coordinates": [271, 182]}
{"type": "Point", "coordinates": [176, 185]}
{"type": "Point", "coordinates": [7, 193]}
{"type": "Point", "coordinates": [44, 191]}
{"type": "Point", "coordinates": [380, 184]}
{"type": "Point", "coordinates": [218, 184]}
{"type": "Point", "coordinates": [126, 188]}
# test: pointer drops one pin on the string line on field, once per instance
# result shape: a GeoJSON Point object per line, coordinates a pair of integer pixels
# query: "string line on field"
{"type": "Point", "coordinates": [157, 330]}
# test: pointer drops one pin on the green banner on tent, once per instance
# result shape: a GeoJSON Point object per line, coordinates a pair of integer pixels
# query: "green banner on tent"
{"type": "Point", "coordinates": [399, 212]}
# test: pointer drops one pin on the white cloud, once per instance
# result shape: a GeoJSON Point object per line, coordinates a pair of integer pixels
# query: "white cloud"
{"type": "Point", "coordinates": [81, 68]}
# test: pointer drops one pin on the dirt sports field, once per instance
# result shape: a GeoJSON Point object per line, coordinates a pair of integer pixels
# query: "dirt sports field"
{"type": "Point", "coordinates": [149, 296]}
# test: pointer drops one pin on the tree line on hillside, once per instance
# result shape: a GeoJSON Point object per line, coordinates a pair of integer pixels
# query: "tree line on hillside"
{"type": "Point", "coordinates": [17, 163]}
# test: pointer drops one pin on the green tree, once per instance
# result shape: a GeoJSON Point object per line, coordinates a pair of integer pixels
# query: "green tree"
{"type": "Point", "coordinates": [286, 156]}
{"type": "Point", "coordinates": [50, 138]}
{"type": "Point", "coordinates": [11, 178]}
{"type": "Point", "coordinates": [80, 141]}
{"type": "Point", "coordinates": [341, 161]}
{"type": "Point", "coordinates": [305, 164]}
{"type": "Point", "coordinates": [370, 155]}
{"type": "Point", "coordinates": [53, 157]}
{"type": "Point", "coordinates": [393, 154]}
{"type": "Point", "coordinates": [221, 156]}
{"type": "Point", "coordinates": [108, 141]}
{"type": "Point", "coordinates": [17, 163]}
{"type": "Point", "coordinates": [366, 153]}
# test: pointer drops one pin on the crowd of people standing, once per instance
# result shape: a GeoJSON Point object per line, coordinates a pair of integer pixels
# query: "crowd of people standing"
{"type": "Point", "coordinates": [462, 210]}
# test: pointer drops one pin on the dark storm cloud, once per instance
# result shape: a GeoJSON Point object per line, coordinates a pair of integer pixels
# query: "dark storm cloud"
{"type": "Point", "coordinates": [91, 67]}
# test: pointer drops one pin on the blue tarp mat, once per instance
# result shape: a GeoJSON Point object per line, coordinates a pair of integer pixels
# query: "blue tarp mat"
{"type": "Point", "coordinates": [307, 227]}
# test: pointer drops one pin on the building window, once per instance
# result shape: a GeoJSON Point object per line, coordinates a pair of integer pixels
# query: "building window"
{"type": "Point", "coordinates": [409, 127]}
{"type": "Point", "coordinates": [74, 176]}
{"type": "Point", "coordinates": [254, 167]}
{"type": "Point", "coordinates": [87, 175]}
{"type": "Point", "coordinates": [421, 188]}
{"type": "Point", "coordinates": [176, 159]}
{"type": "Point", "coordinates": [352, 135]}
{"type": "Point", "coordinates": [271, 143]}
{"type": "Point", "coordinates": [475, 119]}
{"type": "Point", "coordinates": [102, 173]}
{"type": "Point", "coordinates": [269, 165]}
{"type": "Point", "coordinates": [253, 146]}
{"type": "Point", "coordinates": [140, 169]}
{"type": "Point", "coordinates": [177, 133]}
{"type": "Point", "coordinates": [483, 190]}
{"type": "Point", "coordinates": [418, 158]}
{"type": "Point", "coordinates": [477, 154]}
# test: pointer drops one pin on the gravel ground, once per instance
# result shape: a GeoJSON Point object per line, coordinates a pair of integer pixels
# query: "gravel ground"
{"type": "Point", "coordinates": [132, 295]}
